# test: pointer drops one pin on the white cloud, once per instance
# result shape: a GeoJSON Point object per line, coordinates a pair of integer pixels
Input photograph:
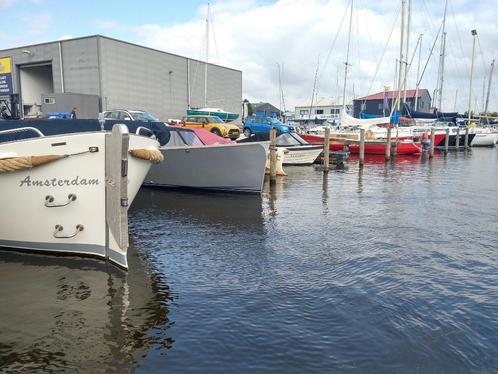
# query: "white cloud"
{"type": "Point", "coordinates": [4, 4]}
{"type": "Point", "coordinates": [37, 23]}
{"type": "Point", "coordinates": [109, 25]}
{"type": "Point", "coordinates": [253, 37]}
{"type": "Point", "coordinates": [256, 35]}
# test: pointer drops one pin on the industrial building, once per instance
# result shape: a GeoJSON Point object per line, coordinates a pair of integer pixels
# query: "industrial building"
{"type": "Point", "coordinates": [97, 73]}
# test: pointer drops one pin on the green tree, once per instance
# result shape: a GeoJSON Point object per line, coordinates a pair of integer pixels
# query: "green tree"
{"type": "Point", "coordinates": [249, 109]}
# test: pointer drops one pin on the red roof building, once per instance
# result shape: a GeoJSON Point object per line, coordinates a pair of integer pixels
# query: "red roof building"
{"type": "Point", "coordinates": [375, 103]}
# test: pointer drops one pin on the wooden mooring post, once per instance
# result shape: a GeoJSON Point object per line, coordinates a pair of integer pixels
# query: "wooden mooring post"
{"type": "Point", "coordinates": [388, 145]}
{"type": "Point", "coordinates": [326, 151]}
{"type": "Point", "coordinates": [273, 155]}
{"type": "Point", "coordinates": [457, 140]}
{"type": "Point", "coordinates": [431, 149]}
{"type": "Point", "coordinates": [362, 147]}
{"type": "Point", "coordinates": [466, 141]}
{"type": "Point", "coordinates": [447, 141]}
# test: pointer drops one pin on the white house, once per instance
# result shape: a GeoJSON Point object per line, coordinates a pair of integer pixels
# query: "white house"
{"type": "Point", "coordinates": [322, 109]}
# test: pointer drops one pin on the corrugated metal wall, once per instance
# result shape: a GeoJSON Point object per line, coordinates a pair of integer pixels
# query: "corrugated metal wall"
{"type": "Point", "coordinates": [135, 77]}
{"type": "Point", "coordinates": [81, 66]}
{"type": "Point", "coordinates": [129, 76]}
{"type": "Point", "coordinates": [32, 55]}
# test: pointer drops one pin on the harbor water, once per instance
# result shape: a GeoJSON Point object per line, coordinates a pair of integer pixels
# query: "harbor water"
{"type": "Point", "coordinates": [392, 268]}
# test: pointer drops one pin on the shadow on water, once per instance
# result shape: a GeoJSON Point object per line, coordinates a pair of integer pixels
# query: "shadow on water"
{"type": "Point", "coordinates": [63, 314]}
{"type": "Point", "coordinates": [232, 211]}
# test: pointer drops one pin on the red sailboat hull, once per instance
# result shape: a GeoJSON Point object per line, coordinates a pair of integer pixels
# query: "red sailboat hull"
{"type": "Point", "coordinates": [375, 148]}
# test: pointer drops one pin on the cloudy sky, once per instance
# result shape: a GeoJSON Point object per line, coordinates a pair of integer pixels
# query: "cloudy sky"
{"type": "Point", "coordinates": [297, 37]}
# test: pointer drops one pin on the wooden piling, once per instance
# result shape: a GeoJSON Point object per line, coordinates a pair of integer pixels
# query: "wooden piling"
{"type": "Point", "coordinates": [362, 147]}
{"type": "Point", "coordinates": [466, 141]}
{"type": "Point", "coordinates": [388, 145]}
{"type": "Point", "coordinates": [394, 145]}
{"type": "Point", "coordinates": [326, 151]}
{"type": "Point", "coordinates": [457, 140]}
{"type": "Point", "coordinates": [273, 155]}
{"type": "Point", "coordinates": [431, 149]}
{"type": "Point", "coordinates": [447, 141]}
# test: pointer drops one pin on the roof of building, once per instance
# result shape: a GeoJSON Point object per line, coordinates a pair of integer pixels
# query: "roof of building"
{"type": "Point", "coordinates": [113, 39]}
{"type": "Point", "coordinates": [256, 107]}
{"type": "Point", "coordinates": [322, 102]}
{"type": "Point", "coordinates": [393, 94]}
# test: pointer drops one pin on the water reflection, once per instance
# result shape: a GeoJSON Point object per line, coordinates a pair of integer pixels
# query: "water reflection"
{"type": "Point", "coordinates": [72, 314]}
{"type": "Point", "coordinates": [231, 211]}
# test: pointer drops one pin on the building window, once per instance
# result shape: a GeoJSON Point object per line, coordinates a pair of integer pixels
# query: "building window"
{"type": "Point", "coordinates": [319, 111]}
{"type": "Point", "coordinates": [303, 111]}
{"type": "Point", "coordinates": [381, 106]}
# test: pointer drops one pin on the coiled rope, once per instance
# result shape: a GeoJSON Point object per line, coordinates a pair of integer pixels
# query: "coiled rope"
{"type": "Point", "coordinates": [148, 154]}
{"type": "Point", "coordinates": [11, 164]}
{"type": "Point", "coordinates": [20, 163]}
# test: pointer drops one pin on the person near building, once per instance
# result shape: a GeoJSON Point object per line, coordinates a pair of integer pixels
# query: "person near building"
{"type": "Point", "coordinates": [73, 113]}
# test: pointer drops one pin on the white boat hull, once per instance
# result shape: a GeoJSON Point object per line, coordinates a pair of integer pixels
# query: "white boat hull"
{"type": "Point", "coordinates": [302, 155]}
{"type": "Point", "coordinates": [26, 222]}
{"type": "Point", "coordinates": [227, 167]}
{"type": "Point", "coordinates": [484, 140]}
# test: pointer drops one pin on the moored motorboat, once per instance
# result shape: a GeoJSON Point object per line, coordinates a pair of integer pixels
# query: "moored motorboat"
{"type": "Point", "coordinates": [189, 163]}
{"type": "Point", "coordinates": [300, 152]}
{"type": "Point", "coordinates": [69, 193]}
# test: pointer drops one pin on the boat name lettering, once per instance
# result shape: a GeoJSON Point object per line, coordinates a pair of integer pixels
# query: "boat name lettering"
{"type": "Point", "coordinates": [56, 182]}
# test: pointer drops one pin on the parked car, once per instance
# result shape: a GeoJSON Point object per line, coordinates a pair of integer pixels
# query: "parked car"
{"type": "Point", "coordinates": [258, 125]}
{"type": "Point", "coordinates": [129, 115]}
{"type": "Point", "coordinates": [213, 124]}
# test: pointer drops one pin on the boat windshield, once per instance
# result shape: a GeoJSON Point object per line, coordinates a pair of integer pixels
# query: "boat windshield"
{"type": "Point", "coordinates": [298, 138]}
{"type": "Point", "coordinates": [144, 116]}
{"type": "Point", "coordinates": [175, 140]}
{"type": "Point", "coordinates": [287, 139]}
{"type": "Point", "coordinates": [191, 138]}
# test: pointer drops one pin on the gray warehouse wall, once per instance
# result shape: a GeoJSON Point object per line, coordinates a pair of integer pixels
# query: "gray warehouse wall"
{"type": "Point", "coordinates": [81, 66]}
{"type": "Point", "coordinates": [135, 77]}
{"type": "Point", "coordinates": [35, 54]}
{"type": "Point", "coordinates": [129, 76]}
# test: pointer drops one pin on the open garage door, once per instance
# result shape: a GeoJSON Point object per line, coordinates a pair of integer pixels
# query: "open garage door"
{"type": "Point", "coordinates": [35, 79]}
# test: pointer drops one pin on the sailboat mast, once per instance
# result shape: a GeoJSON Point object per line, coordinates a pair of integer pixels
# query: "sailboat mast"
{"type": "Point", "coordinates": [400, 71]}
{"type": "Point", "coordinates": [474, 35]}
{"type": "Point", "coordinates": [441, 59]}
{"type": "Point", "coordinates": [489, 87]}
{"type": "Point", "coordinates": [347, 59]}
{"type": "Point", "coordinates": [206, 59]}
{"type": "Point", "coordinates": [279, 89]}
{"type": "Point", "coordinates": [418, 70]}
{"type": "Point", "coordinates": [407, 51]}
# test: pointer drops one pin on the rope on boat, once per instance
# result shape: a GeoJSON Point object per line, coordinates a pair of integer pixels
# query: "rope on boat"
{"type": "Point", "coordinates": [148, 154]}
{"type": "Point", "coordinates": [21, 163]}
